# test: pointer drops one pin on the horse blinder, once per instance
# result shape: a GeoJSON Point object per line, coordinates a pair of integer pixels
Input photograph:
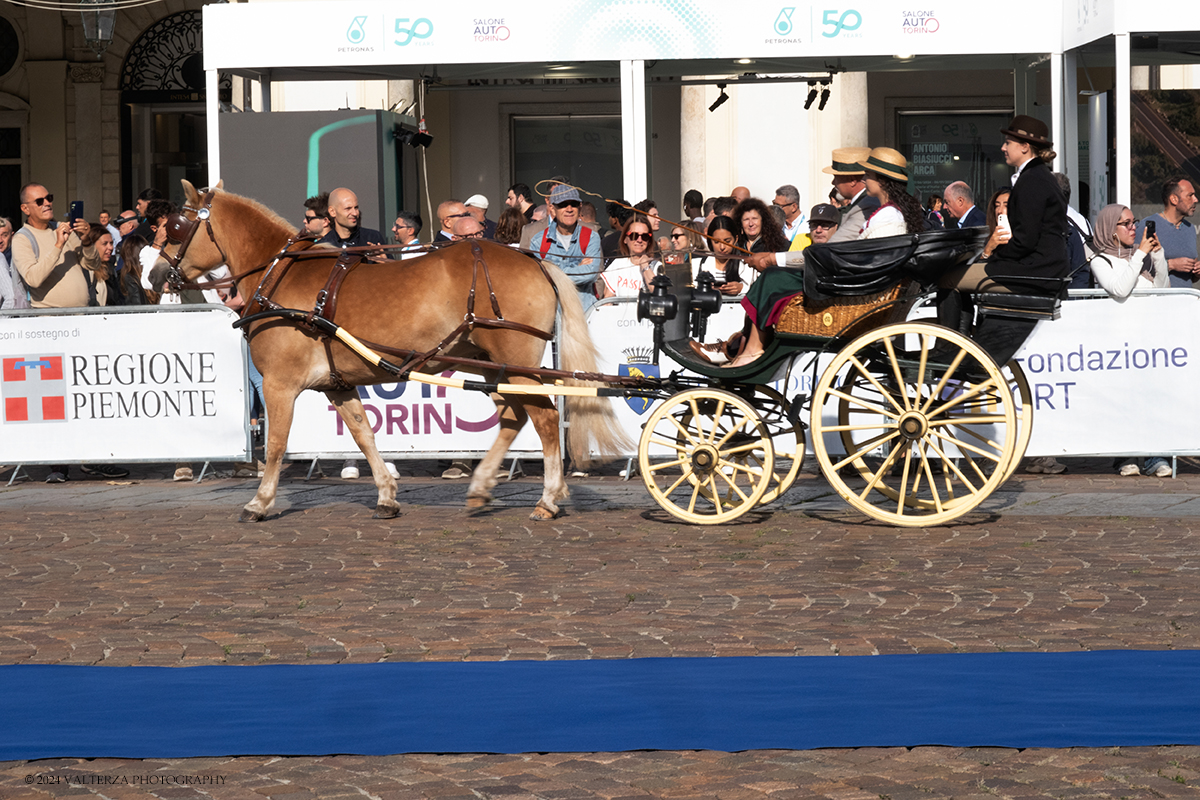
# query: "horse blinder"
{"type": "Point", "coordinates": [179, 227]}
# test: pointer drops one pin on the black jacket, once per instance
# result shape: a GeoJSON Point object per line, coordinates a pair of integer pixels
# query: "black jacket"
{"type": "Point", "coordinates": [1037, 213]}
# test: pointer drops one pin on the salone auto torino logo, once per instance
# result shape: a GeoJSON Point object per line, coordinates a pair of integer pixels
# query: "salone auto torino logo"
{"type": "Point", "coordinates": [919, 22]}
{"type": "Point", "coordinates": [490, 30]}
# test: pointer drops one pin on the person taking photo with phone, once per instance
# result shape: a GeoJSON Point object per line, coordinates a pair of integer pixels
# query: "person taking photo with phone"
{"type": "Point", "coordinates": [51, 256]}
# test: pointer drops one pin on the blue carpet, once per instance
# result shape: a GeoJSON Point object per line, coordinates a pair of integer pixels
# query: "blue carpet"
{"type": "Point", "coordinates": [1087, 699]}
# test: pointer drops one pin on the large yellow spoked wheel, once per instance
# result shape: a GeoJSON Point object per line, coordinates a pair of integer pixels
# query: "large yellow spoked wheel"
{"type": "Point", "coordinates": [706, 456]}
{"type": "Point", "coordinates": [927, 421]}
{"type": "Point", "coordinates": [787, 437]}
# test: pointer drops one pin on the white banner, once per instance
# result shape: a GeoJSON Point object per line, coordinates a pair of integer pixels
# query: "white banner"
{"type": "Point", "coordinates": [123, 384]}
{"type": "Point", "coordinates": [373, 32]}
{"type": "Point", "coordinates": [1102, 378]}
{"type": "Point", "coordinates": [1110, 378]}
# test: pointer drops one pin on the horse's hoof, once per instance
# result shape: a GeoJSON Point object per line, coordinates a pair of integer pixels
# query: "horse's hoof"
{"type": "Point", "coordinates": [542, 514]}
{"type": "Point", "coordinates": [251, 516]}
{"type": "Point", "coordinates": [386, 512]}
{"type": "Point", "coordinates": [478, 502]}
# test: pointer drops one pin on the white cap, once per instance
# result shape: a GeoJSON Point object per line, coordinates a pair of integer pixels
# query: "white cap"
{"type": "Point", "coordinates": [477, 201]}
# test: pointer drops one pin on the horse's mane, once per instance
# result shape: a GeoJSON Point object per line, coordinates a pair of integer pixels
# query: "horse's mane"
{"type": "Point", "coordinates": [254, 206]}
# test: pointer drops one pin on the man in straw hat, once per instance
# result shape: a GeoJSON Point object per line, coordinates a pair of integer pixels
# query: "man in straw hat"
{"type": "Point", "coordinates": [848, 182]}
{"type": "Point", "coordinates": [1037, 216]}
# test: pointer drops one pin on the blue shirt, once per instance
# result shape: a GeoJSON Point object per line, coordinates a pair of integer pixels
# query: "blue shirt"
{"type": "Point", "coordinates": [581, 267]}
{"type": "Point", "coordinates": [1176, 243]}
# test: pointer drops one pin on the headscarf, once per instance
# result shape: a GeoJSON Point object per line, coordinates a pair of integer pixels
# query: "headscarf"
{"type": "Point", "coordinates": [1106, 231]}
{"type": "Point", "coordinates": [1105, 239]}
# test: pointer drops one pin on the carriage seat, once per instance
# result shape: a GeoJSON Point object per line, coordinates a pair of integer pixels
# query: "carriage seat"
{"type": "Point", "coordinates": [845, 316]}
{"type": "Point", "coordinates": [1025, 302]}
{"type": "Point", "coordinates": [1019, 306]}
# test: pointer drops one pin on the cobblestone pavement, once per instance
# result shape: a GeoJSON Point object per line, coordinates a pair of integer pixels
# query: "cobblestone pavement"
{"type": "Point", "coordinates": [149, 572]}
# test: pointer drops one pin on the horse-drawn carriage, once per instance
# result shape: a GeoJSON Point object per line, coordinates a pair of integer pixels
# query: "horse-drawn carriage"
{"type": "Point", "coordinates": [926, 423]}
{"type": "Point", "coordinates": [911, 422]}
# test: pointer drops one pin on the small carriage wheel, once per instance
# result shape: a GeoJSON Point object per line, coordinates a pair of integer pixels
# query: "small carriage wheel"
{"type": "Point", "coordinates": [927, 420]}
{"type": "Point", "coordinates": [701, 469]}
{"type": "Point", "coordinates": [787, 436]}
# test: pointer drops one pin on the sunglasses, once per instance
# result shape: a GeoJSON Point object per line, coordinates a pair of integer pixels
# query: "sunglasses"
{"type": "Point", "coordinates": [119, 221]}
{"type": "Point", "coordinates": [818, 224]}
{"type": "Point", "coordinates": [38, 201]}
{"type": "Point", "coordinates": [645, 237]}
{"type": "Point", "coordinates": [571, 203]}
{"type": "Point", "coordinates": [310, 218]}
{"type": "Point", "coordinates": [784, 205]}
{"type": "Point", "coordinates": [678, 235]}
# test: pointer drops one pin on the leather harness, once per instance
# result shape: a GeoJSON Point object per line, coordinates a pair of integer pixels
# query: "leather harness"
{"type": "Point", "coordinates": [182, 230]}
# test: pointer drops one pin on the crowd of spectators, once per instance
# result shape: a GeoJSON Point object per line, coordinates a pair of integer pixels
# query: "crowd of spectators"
{"type": "Point", "coordinates": [744, 242]}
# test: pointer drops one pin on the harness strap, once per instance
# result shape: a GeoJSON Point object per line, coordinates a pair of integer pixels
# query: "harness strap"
{"type": "Point", "coordinates": [487, 276]}
{"type": "Point", "coordinates": [326, 305]}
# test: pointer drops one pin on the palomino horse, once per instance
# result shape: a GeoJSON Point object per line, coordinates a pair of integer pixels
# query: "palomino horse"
{"type": "Point", "coordinates": [412, 305]}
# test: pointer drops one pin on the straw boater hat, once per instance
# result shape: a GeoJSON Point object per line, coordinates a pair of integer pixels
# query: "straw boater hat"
{"type": "Point", "coordinates": [886, 161]}
{"type": "Point", "coordinates": [1028, 129]}
{"type": "Point", "coordinates": [845, 161]}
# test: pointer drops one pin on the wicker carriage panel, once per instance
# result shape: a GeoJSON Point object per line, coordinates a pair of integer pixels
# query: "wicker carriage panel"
{"type": "Point", "coordinates": [861, 313]}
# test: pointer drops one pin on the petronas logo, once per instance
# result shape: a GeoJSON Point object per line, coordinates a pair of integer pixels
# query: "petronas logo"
{"type": "Point", "coordinates": [783, 23]}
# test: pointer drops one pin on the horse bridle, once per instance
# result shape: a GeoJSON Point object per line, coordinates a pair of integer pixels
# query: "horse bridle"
{"type": "Point", "coordinates": [181, 231]}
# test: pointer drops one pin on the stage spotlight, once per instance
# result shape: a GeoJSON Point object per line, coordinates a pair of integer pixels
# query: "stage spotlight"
{"type": "Point", "coordinates": [413, 139]}
{"type": "Point", "coordinates": [720, 100]}
{"type": "Point", "coordinates": [812, 95]}
{"type": "Point", "coordinates": [824, 99]}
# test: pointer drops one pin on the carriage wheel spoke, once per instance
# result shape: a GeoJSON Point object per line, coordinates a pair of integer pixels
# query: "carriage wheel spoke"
{"type": "Point", "coordinates": [933, 490]}
{"type": "Point", "coordinates": [687, 473]}
{"type": "Point", "coordinates": [962, 398]}
{"type": "Point", "coordinates": [879, 386]}
{"type": "Point", "coordinates": [670, 464]}
{"type": "Point", "coordinates": [904, 482]}
{"type": "Point", "coordinates": [672, 444]}
{"type": "Point", "coordinates": [891, 351]}
{"type": "Point", "coordinates": [922, 364]}
{"type": "Point", "coordinates": [683, 431]}
{"type": "Point", "coordinates": [732, 485]}
{"type": "Point", "coordinates": [867, 447]}
{"type": "Point", "coordinates": [997, 449]}
{"type": "Point", "coordinates": [871, 407]}
{"type": "Point", "coordinates": [875, 478]}
{"type": "Point", "coordinates": [941, 385]}
{"type": "Point", "coordinates": [948, 463]}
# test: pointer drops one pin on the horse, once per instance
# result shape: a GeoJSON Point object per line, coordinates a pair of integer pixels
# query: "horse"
{"type": "Point", "coordinates": [416, 306]}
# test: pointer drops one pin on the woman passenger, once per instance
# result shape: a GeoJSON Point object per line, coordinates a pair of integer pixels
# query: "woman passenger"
{"type": "Point", "coordinates": [630, 274]}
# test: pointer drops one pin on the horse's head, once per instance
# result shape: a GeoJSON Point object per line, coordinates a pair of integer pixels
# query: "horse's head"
{"type": "Point", "coordinates": [192, 245]}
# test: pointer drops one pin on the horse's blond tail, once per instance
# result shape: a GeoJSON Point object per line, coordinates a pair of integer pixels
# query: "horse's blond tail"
{"type": "Point", "coordinates": [593, 432]}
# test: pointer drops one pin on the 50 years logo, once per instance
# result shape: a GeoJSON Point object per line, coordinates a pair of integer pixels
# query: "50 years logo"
{"type": "Point", "coordinates": [421, 28]}
{"type": "Point", "coordinates": [848, 20]}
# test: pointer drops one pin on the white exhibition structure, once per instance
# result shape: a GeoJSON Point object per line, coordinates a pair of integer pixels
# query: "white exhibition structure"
{"type": "Point", "coordinates": [272, 41]}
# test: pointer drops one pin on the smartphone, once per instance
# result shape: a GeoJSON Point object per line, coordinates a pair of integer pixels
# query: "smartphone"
{"type": "Point", "coordinates": [1002, 223]}
{"type": "Point", "coordinates": [1150, 227]}
{"type": "Point", "coordinates": [76, 211]}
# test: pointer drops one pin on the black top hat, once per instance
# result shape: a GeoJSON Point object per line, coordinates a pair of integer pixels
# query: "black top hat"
{"type": "Point", "coordinates": [1028, 129]}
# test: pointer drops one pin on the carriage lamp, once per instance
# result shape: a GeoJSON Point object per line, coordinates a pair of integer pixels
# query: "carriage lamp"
{"type": "Point", "coordinates": [99, 18]}
{"type": "Point", "coordinates": [705, 301]}
{"type": "Point", "coordinates": [658, 305]}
